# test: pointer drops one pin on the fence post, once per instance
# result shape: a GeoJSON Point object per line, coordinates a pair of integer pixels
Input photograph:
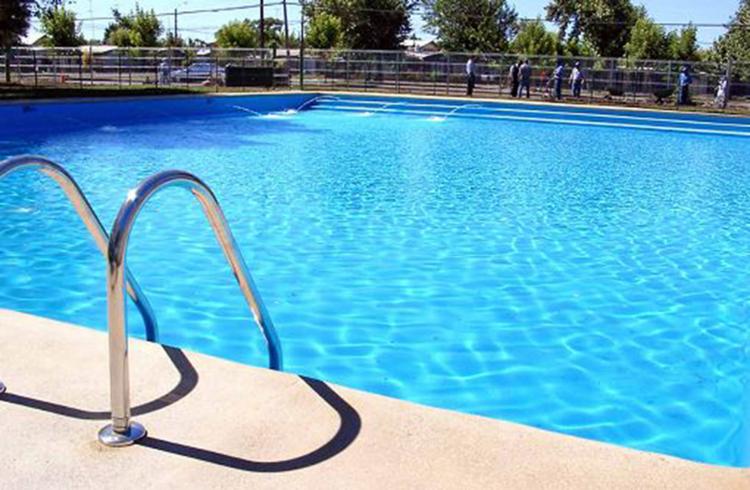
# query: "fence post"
{"type": "Point", "coordinates": [347, 70]}
{"type": "Point", "coordinates": [448, 75]}
{"type": "Point", "coordinates": [500, 79]}
{"type": "Point", "coordinates": [36, 68]}
{"type": "Point", "coordinates": [216, 72]}
{"type": "Point", "coordinates": [119, 69]}
{"type": "Point", "coordinates": [169, 67]}
{"type": "Point", "coordinates": [367, 73]}
{"type": "Point", "coordinates": [80, 69]}
{"type": "Point", "coordinates": [398, 73]}
{"type": "Point", "coordinates": [728, 92]}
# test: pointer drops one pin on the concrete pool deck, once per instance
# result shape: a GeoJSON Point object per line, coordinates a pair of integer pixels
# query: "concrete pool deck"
{"type": "Point", "coordinates": [214, 423]}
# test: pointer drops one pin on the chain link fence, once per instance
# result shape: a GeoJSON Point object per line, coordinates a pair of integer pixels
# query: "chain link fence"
{"type": "Point", "coordinates": [606, 80]}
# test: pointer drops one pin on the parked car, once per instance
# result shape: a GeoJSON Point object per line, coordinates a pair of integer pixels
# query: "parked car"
{"type": "Point", "coordinates": [198, 72]}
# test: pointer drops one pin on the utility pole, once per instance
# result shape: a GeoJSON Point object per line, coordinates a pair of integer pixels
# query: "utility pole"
{"type": "Point", "coordinates": [262, 26]}
{"type": "Point", "coordinates": [175, 26]}
{"type": "Point", "coordinates": [286, 30]}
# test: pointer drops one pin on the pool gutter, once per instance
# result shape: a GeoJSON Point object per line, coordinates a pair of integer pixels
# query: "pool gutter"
{"type": "Point", "coordinates": [214, 423]}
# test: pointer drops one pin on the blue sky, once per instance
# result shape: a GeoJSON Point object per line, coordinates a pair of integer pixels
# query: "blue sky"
{"type": "Point", "coordinates": [204, 25]}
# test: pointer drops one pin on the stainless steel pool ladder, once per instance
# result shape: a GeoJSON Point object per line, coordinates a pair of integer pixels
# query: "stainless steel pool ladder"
{"type": "Point", "coordinates": [123, 431]}
{"type": "Point", "coordinates": [82, 206]}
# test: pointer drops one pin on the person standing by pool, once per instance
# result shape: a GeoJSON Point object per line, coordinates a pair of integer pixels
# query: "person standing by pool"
{"type": "Point", "coordinates": [557, 79]}
{"type": "Point", "coordinates": [515, 70]}
{"type": "Point", "coordinates": [525, 76]}
{"type": "Point", "coordinates": [722, 93]}
{"type": "Point", "coordinates": [471, 78]}
{"type": "Point", "coordinates": [576, 79]}
{"type": "Point", "coordinates": [684, 81]}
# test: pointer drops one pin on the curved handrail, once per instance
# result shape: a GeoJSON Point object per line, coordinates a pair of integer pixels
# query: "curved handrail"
{"type": "Point", "coordinates": [122, 431]}
{"type": "Point", "coordinates": [82, 206]}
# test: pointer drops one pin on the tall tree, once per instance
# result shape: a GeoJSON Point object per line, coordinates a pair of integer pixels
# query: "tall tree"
{"type": "Point", "coordinates": [237, 34]}
{"type": "Point", "coordinates": [735, 44]}
{"type": "Point", "coordinates": [60, 27]}
{"type": "Point", "coordinates": [366, 24]}
{"type": "Point", "coordinates": [325, 32]}
{"type": "Point", "coordinates": [535, 39]}
{"type": "Point", "coordinates": [140, 28]}
{"type": "Point", "coordinates": [648, 41]}
{"type": "Point", "coordinates": [471, 25]}
{"type": "Point", "coordinates": [14, 22]}
{"type": "Point", "coordinates": [246, 34]}
{"type": "Point", "coordinates": [605, 24]}
{"type": "Point", "coordinates": [683, 45]}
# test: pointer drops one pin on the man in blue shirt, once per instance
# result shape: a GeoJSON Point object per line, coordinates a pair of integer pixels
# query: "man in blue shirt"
{"type": "Point", "coordinates": [557, 79]}
{"type": "Point", "coordinates": [684, 81]}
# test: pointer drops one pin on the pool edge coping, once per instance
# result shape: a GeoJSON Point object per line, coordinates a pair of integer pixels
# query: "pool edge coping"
{"type": "Point", "coordinates": [316, 93]}
{"type": "Point", "coordinates": [480, 440]}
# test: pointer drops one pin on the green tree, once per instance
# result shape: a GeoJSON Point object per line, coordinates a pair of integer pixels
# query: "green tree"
{"type": "Point", "coordinates": [366, 24]}
{"type": "Point", "coordinates": [14, 22]}
{"type": "Point", "coordinates": [141, 28]}
{"type": "Point", "coordinates": [273, 31]}
{"type": "Point", "coordinates": [683, 45]}
{"type": "Point", "coordinates": [735, 44]}
{"type": "Point", "coordinates": [471, 25]}
{"type": "Point", "coordinates": [325, 32]}
{"type": "Point", "coordinates": [605, 24]}
{"type": "Point", "coordinates": [535, 39]}
{"type": "Point", "coordinates": [237, 34]}
{"type": "Point", "coordinates": [648, 41]}
{"type": "Point", "coordinates": [576, 48]}
{"type": "Point", "coordinates": [60, 27]}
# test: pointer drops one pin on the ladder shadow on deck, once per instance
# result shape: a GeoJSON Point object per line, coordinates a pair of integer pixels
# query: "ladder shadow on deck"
{"type": "Point", "coordinates": [188, 382]}
{"type": "Point", "coordinates": [349, 427]}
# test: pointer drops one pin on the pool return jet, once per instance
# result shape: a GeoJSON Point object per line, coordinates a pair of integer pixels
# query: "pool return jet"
{"type": "Point", "coordinates": [452, 112]}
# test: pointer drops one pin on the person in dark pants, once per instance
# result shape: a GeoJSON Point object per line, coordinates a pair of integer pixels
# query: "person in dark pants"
{"type": "Point", "coordinates": [576, 80]}
{"type": "Point", "coordinates": [557, 79]}
{"type": "Point", "coordinates": [525, 75]}
{"type": "Point", "coordinates": [684, 81]}
{"type": "Point", "coordinates": [515, 70]}
{"type": "Point", "coordinates": [471, 77]}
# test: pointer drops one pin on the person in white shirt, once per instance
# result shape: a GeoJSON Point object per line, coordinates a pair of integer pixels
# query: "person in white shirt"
{"type": "Point", "coordinates": [722, 94]}
{"type": "Point", "coordinates": [576, 79]}
{"type": "Point", "coordinates": [471, 77]}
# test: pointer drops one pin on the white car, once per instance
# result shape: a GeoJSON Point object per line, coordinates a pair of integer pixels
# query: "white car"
{"type": "Point", "coordinates": [198, 72]}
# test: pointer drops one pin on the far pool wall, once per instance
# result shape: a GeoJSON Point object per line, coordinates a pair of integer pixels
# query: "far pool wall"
{"type": "Point", "coordinates": [18, 117]}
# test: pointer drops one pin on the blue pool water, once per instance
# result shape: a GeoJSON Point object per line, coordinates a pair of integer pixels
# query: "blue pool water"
{"type": "Point", "coordinates": [590, 279]}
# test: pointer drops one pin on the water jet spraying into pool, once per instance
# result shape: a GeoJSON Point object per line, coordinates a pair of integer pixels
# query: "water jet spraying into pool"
{"type": "Point", "coordinates": [249, 111]}
{"type": "Point", "coordinates": [445, 116]}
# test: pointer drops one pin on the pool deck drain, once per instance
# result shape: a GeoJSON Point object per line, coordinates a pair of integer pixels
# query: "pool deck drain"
{"type": "Point", "coordinates": [214, 423]}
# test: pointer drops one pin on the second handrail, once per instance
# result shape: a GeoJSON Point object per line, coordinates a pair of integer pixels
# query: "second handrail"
{"type": "Point", "coordinates": [122, 431]}
{"type": "Point", "coordinates": [82, 206]}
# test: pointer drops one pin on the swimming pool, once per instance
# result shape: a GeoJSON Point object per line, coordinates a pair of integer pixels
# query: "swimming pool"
{"type": "Point", "coordinates": [552, 266]}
